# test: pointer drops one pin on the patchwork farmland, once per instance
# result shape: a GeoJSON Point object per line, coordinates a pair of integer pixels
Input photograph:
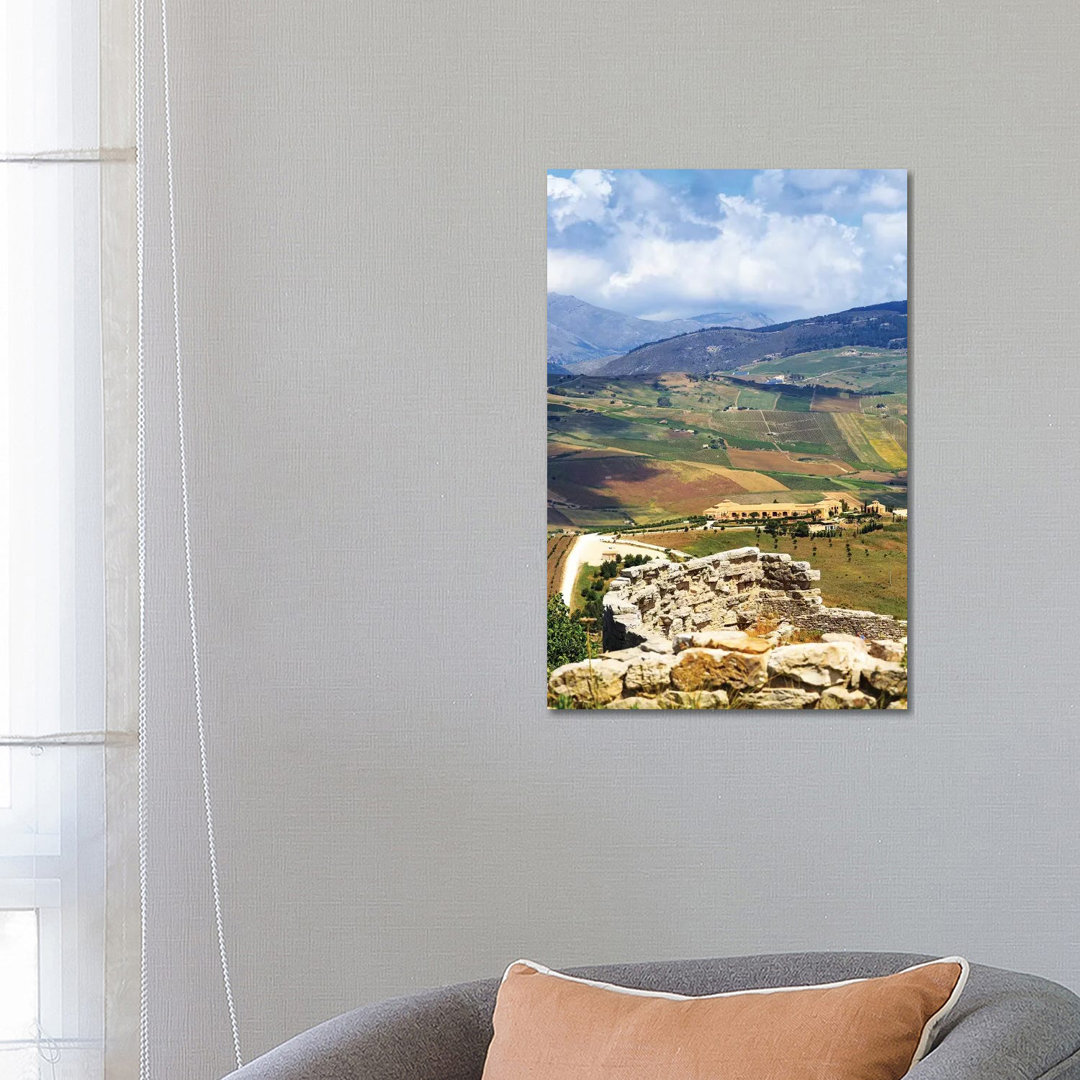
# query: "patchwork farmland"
{"type": "Point", "coordinates": [627, 452]}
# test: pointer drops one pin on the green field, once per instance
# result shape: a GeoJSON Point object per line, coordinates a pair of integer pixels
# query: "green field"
{"type": "Point", "coordinates": [875, 582]}
{"type": "Point", "coordinates": [855, 368]}
{"type": "Point", "coordinates": [577, 601]}
{"type": "Point", "coordinates": [789, 402]}
{"type": "Point", "coordinates": [750, 398]}
{"type": "Point", "coordinates": [685, 426]}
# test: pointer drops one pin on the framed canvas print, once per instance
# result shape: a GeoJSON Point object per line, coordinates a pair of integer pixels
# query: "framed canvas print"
{"type": "Point", "coordinates": [727, 355]}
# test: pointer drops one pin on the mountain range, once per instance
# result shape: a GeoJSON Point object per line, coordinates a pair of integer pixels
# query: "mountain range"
{"type": "Point", "coordinates": [882, 326]}
{"type": "Point", "coordinates": [582, 334]}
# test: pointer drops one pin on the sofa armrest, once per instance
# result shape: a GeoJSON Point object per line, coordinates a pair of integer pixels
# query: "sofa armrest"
{"type": "Point", "coordinates": [441, 1034]}
{"type": "Point", "coordinates": [1007, 1026]}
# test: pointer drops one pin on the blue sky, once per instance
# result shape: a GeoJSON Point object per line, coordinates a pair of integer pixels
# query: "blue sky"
{"type": "Point", "coordinates": [670, 243]}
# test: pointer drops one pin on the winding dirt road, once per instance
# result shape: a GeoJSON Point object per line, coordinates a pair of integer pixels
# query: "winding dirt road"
{"type": "Point", "coordinates": [594, 548]}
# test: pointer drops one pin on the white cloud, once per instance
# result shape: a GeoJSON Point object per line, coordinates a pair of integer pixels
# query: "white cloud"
{"type": "Point", "coordinates": [884, 193]}
{"type": "Point", "coordinates": [768, 185]}
{"type": "Point", "coordinates": [888, 232]}
{"type": "Point", "coordinates": [655, 248]}
{"type": "Point", "coordinates": [759, 258]}
{"type": "Point", "coordinates": [841, 192]}
{"type": "Point", "coordinates": [576, 273]}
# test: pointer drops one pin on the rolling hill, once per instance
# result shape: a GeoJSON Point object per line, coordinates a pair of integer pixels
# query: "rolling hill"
{"type": "Point", "coordinates": [725, 348]}
{"type": "Point", "coordinates": [579, 332]}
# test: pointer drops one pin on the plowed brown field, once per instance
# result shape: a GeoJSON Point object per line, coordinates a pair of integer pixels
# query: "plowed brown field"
{"type": "Point", "coordinates": [557, 548]}
{"type": "Point", "coordinates": [777, 461]}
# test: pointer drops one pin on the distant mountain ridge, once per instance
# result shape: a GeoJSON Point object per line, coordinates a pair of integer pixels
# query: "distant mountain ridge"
{"type": "Point", "coordinates": [580, 332]}
{"type": "Point", "coordinates": [724, 348]}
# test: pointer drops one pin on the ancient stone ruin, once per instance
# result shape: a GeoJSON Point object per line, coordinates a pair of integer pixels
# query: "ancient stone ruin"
{"type": "Point", "coordinates": [730, 631]}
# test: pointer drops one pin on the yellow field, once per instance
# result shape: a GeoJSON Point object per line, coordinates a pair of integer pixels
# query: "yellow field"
{"type": "Point", "coordinates": [869, 440]}
{"type": "Point", "coordinates": [562, 449]}
{"type": "Point", "coordinates": [885, 445]}
{"type": "Point", "coordinates": [747, 479]}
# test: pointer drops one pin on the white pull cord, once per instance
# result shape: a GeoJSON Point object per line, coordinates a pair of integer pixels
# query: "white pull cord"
{"type": "Point", "coordinates": [140, 455]}
{"type": "Point", "coordinates": [197, 679]}
{"type": "Point", "coordinates": [140, 198]}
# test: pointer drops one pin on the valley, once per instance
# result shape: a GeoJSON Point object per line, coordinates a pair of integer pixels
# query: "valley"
{"type": "Point", "coordinates": [634, 451]}
{"type": "Point", "coordinates": [699, 458]}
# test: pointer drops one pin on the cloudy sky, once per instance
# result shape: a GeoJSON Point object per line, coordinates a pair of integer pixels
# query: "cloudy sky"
{"type": "Point", "coordinates": [673, 243]}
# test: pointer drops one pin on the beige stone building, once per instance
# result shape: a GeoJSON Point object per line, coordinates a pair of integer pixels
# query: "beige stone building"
{"type": "Point", "coordinates": [726, 510]}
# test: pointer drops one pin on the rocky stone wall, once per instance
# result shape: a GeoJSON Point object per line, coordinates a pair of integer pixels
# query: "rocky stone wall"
{"type": "Point", "coordinates": [675, 637]}
{"type": "Point", "coordinates": [730, 669]}
{"type": "Point", "coordinates": [732, 590]}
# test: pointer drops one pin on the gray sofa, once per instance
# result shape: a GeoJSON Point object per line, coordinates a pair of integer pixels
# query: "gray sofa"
{"type": "Point", "coordinates": [1006, 1026]}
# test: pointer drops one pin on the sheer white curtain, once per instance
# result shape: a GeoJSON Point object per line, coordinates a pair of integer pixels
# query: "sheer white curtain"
{"type": "Point", "coordinates": [52, 552]}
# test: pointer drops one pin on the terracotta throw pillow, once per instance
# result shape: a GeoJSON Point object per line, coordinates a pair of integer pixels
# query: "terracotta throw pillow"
{"type": "Point", "coordinates": [550, 1026]}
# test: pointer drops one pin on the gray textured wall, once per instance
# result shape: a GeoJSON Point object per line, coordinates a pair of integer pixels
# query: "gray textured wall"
{"type": "Point", "coordinates": [361, 210]}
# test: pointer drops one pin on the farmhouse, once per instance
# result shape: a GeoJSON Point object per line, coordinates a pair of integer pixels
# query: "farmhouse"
{"type": "Point", "coordinates": [900, 512]}
{"type": "Point", "coordinates": [875, 507]}
{"type": "Point", "coordinates": [726, 510]}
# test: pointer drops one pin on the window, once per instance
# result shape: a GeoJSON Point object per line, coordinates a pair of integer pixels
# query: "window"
{"type": "Point", "coordinates": [52, 877]}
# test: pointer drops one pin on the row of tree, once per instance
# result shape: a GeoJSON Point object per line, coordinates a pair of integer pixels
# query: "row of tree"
{"type": "Point", "coordinates": [573, 636]}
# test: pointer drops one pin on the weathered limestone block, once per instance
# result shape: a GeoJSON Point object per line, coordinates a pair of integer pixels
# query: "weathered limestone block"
{"type": "Point", "coordinates": [628, 655]}
{"type": "Point", "coordinates": [851, 639]}
{"type": "Point", "coordinates": [887, 650]}
{"type": "Point", "coordinates": [633, 703]}
{"type": "Point", "coordinates": [649, 674]}
{"type": "Point", "coordinates": [713, 669]}
{"type": "Point", "coordinates": [884, 676]}
{"type": "Point", "coordinates": [647, 597]}
{"type": "Point", "coordinates": [732, 640]}
{"type": "Point", "coordinates": [656, 643]}
{"type": "Point", "coordinates": [818, 664]}
{"type": "Point", "coordinates": [897, 704]}
{"type": "Point", "coordinates": [743, 554]}
{"type": "Point", "coordinates": [698, 699]}
{"type": "Point", "coordinates": [777, 697]}
{"type": "Point", "coordinates": [590, 682]}
{"type": "Point", "coordinates": [738, 574]}
{"type": "Point", "coordinates": [843, 697]}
